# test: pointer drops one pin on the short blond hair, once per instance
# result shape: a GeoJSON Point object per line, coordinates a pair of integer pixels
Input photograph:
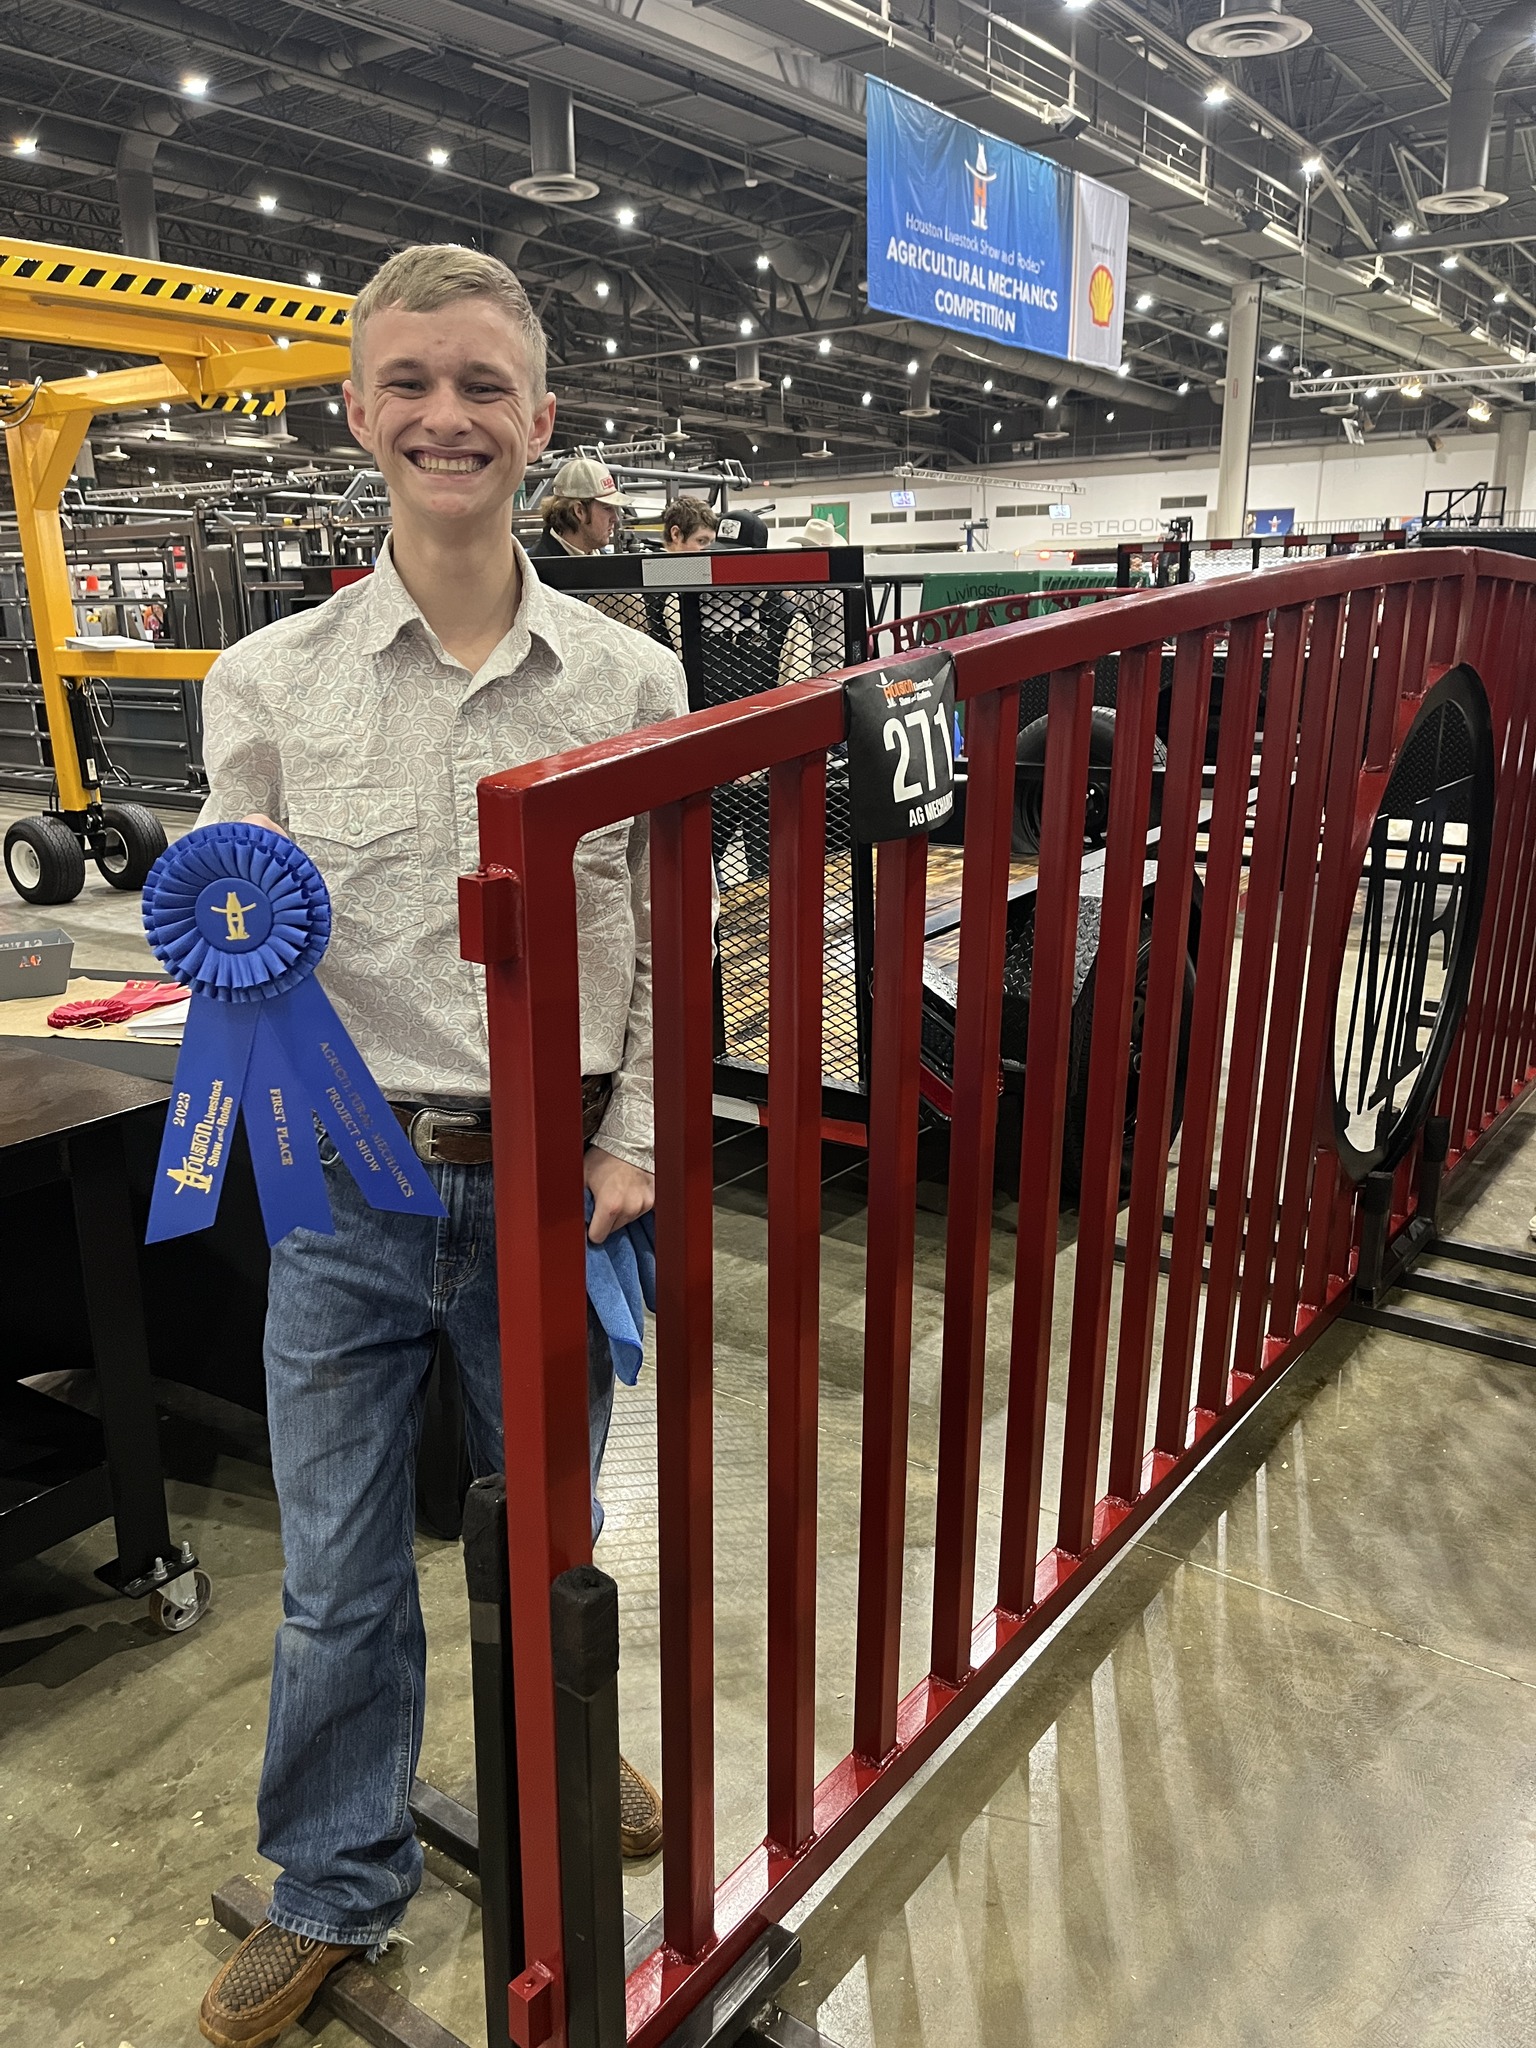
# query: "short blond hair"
{"type": "Point", "coordinates": [430, 275]}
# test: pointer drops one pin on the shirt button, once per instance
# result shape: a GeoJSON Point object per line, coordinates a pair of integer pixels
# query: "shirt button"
{"type": "Point", "coordinates": [354, 830]}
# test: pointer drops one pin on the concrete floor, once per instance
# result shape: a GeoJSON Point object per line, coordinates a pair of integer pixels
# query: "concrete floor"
{"type": "Point", "coordinates": [1273, 1782]}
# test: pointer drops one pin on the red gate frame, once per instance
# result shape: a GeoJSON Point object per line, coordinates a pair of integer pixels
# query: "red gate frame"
{"type": "Point", "coordinates": [1354, 642]}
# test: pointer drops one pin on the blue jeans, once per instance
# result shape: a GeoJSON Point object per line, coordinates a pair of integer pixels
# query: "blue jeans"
{"type": "Point", "coordinates": [352, 1321]}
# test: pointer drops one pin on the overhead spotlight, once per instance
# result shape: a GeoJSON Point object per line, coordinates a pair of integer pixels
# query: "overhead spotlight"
{"type": "Point", "coordinates": [437, 157]}
{"type": "Point", "coordinates": [762, 262]}
{"type": "Point", "coordinates": [25, 145]}
{"type": "Point", "coordinates": [1076, 6]}
{"type": "Point", "coordinates": [332, 407]}
{"type": "Point", "coordinates": [312, 277]}
{"type": "Point", "coordinates": [283, 341]}
{"type": "Point", "coordinates": [1277, 352]}
{"type": "Point", "coordinates": [868, 398]}
{"type": "Point", "coordinates": [1184, 389]}
{"type": "Point", "coordinates": [626, 216]}
{"type": "Point", "coordinates": [1311, 167]}
{"type": "Point", "coordinates": [1122, 369]}
{"type": "Point", "coordinates": [754, 447]}
{"type": "Point", "coordinates": [1216, 95]}
{"type": "Point", "coordinates": [1052, 402]}
{"type": "Point", "coordinates": [1450, 262]}
{"type": "Point", "coordinates": [997, 426]}
{"type": "Point", "coordinates": [1412, 389]}
{"type": "Point", "coordinates": [693, 362]}
{"type": "Point", "coordinates": [1479, 410]}
{"type": "Point", "coordinates": [1372, 391]}
{"type": "Point", "coordinates": [194, 85]}
{"type": "Point", "coordinates": [1402, 231]}
{"type": "Point", "coordinates": [602, 287]}
{"type": "Point", "coordinates": [824, 346]}
{"type": "Point", "coordinates": [986, 384]}
{"type": "Point", "coordinates": [1110, 414]}
{"type": "Point", "coordinates": [610, 346]}
{"type": "Point", "coordinates": [246, 395]}
{"type": "Point", "coordinates": [1501, 298]}
{"type": "Point", "coordinates": [93, 373]}
{"type": "Point", "coordinates": [1145, 303]}
{"type": "Point", "coordinates": [607, 426]}
{"type": "Point", "coordinates": [1216, 328]}
{"type": "Point", "coordinates": [207, 465]}
{"type": "Point", "coordinates": [671, 455]}
{"type": "Point", "coordinates": [786, 383]}
{"type": "Point", "coordinates": [165, 405]}
{"type": "Point", "coordinates": [266, 202]}
{"type": "Point", "coordinates": [912, 366]}
{"type": "Point", "coordinates": [744, 326]}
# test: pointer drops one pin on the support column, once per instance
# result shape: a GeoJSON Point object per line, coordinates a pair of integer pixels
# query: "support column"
{"type": "Point", "coordinates": [1237, 410]}
{"type": "Point", "coordinates": [1509, 457]}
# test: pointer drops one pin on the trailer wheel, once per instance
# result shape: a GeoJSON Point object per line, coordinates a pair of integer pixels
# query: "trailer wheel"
{"type": "Point", "coordinates": [1079, 1047]}
{"type": "Point", "coordinates": [126, 845]}
{"type": "Point", "coordinates": [44, 860]}
{"type": "Point", "coordinates": [1029, 788]}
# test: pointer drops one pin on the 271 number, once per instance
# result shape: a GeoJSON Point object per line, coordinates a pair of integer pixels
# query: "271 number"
{"type": "Point", "coordinates": [903, 789]}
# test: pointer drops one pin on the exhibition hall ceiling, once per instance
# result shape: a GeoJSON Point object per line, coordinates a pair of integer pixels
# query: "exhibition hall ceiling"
{"type": "Point", "coordinates": [721, 144]}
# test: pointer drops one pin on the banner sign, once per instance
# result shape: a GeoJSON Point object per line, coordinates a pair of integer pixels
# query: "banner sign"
{"type": "Point", "coordinates": [969, 232]}
{"type": "Point", "coordinates": [901, 751]}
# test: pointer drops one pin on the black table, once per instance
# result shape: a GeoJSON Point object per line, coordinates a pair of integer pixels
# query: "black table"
{"type": "Point", "coordinates": [61, 1470]}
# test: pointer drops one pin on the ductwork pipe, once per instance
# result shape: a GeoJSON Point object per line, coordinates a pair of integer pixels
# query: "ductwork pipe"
{"type": "Point", "coordinates": [747, 377]}
{"type": "Point", "coordinates": [137, 149]}
{"type": "Point", "coordinates": [1469, 123]}
{"type": "Point", "coordinates": [920, 405]}
{"type": "Point", "coordinates": [552, 176]}
{"type": "Point", "coordinates": [797, 262]}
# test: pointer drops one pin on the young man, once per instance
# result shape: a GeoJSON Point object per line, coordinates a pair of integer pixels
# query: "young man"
{"type": "Point", "coordinates": [688, 526]}
{"type": "Point", "coordinates": [583, 511]}
{"type": "Point", "coordinates": [362, 728]}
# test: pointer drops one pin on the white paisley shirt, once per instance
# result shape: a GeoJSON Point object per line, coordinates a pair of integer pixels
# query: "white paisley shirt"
{"type": "Point", "coordinates": [351, 727]}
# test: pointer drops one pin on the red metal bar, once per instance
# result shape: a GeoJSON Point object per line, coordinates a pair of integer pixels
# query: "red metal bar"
{"type": "Point", "coordinates": [1070, 714]}
{"type": "Point", "coordinates": [901, 871]}
{"type": "Point", "coordinates": [991, 737]}
{"type": "Point", "coordinates": [1207, 1030]}
{"type": "Point", "coordinates": [682, 925]}
{"type": "Point", "coordinates": [1297, 891]}
{"type": "Point", "coordinates": [1121, 921]}
{"type": "Point", "coordinates": [1229, 1227]}
{"type": "Point", "coordinates": [796, 939]}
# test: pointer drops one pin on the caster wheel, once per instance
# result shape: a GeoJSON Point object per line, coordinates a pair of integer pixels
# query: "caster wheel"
{"type": "Point", "coordinates": [44, 860]}
{"type": "Point", "coordinates": [126, 844]}
{"type": "Point", "coordinates": [176, 1606]}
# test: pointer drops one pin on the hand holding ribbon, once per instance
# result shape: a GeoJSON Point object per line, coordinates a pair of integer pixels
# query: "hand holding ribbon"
{"type": "Point", "coordinates": [241, 917]}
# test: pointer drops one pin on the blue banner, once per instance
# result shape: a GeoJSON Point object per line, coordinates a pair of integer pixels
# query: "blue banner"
{"type": "Point", "coordinates": [965, 230]}
{"type": "Point", "coordinates": [241, 917]}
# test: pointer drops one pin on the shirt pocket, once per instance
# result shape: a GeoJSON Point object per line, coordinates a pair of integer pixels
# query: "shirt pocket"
{"type": "Point", "coordinates": [366, 844]}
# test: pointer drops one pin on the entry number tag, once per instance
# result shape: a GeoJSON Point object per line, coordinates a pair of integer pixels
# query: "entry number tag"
{"type": "Point", "coordinates": [901, 747]}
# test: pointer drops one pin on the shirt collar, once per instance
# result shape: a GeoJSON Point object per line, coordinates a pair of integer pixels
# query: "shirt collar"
{"type": "Point", "coordinates": [390, 608]}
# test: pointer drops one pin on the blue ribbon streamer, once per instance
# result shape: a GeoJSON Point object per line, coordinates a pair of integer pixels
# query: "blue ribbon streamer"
{"type": "Point", "coordinates": [241, 917]}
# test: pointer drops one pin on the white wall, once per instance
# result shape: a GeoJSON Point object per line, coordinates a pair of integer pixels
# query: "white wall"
{"type": "Point", "coordinates": [1326, 485]}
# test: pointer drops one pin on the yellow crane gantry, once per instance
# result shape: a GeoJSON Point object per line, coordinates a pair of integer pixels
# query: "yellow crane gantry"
{"type": "Point", "coordinates": [220, 342]}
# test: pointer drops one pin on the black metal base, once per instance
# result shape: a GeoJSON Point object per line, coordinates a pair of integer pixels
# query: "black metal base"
{"type": "Point", "coordinates": [744, 1996]}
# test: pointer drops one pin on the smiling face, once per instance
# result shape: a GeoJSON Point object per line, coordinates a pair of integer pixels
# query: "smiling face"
{"type": "Point", "coordinates": [447, 410]}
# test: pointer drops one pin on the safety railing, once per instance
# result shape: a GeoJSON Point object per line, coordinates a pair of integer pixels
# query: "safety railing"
{"type": "Point", "coordinates": [1290, 970]}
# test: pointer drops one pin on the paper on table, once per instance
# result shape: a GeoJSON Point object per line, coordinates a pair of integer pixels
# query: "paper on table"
{"type": "Point", "coordinates": [165, 1024]}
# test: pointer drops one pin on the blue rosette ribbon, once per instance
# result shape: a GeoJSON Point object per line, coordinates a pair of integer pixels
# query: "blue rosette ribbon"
{"type": "Point", "coordinates": [241, 917]}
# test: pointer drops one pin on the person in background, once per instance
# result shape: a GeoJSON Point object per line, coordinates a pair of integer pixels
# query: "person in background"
{"type": "Point", "coordinates": [687, 526]}
{"type": "Point", "coordinates": [818, 533]}
{"type": "Point", "coordinates": [821, 611]}
{"type": "Point", "coordinates": [583, 511]}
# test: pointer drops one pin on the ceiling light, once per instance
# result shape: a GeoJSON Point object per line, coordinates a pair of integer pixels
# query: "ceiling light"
{"type": "Point", "coordinates": [1052, 402]}
{"type": "Point", "coordinates": [1145, 303]}
{"type": "Point", "coordinates": [671, 455]}
{"type": "Point", "coordinates": [207, 465]}
{"type": "Point", "coordinates": [824, 346]}
{"type": "Point", "coordinates": [693, 362]}
{"type": "Point", "coordinates": [312, 277]}
{"type": "Point", "coordinates": [1449, 262]}
{"type": "Point", "coordinates": [611, 346]}
{"type": "Point", "coordinates": [283, 341]}
{"type": "Point", "coordinates": [744, 326]}
{"type": "Point", "coordinates": [1184, 388]}
{"type": "Point", "coordinates": [332, 407]}
{"type": "Point", "coordinates": [1478, 410]}
{"type": "Point", "coordinates": [1402, 231]}
{"type": "Point", "coordinates": [266, 202]}
{"type": "Point", "coordinates": [602, 287]}
{"type": "Point", "coordinates": [1372, 391]}
{"type": "Point", "coordinates": [151, 467]}
{"type": "Point", "coordinates": [997, 426]}
{"type": "Point", "coordinates": [785, 383]}
{"type": "Point", "coordinates": [25, 145]}
{"type": "Point", "coordinates": [93, 373]}
{"type": "Point", "coordinates": [987, 384]}
{"type": "Point", "coordinates": [762, 262]}
{"type": "Point", "coordinates": [1076, 6]}
{"type": "Point", "coordinates": [1216, 328]}
{"type": "Point", "coordinates": [165, 405]}
{"type": "Point", "coordinates": [912, 366]}
{"type": "Point", "coordinates": [1311, 167]}
{"type": "Point", "coordinates": [1122, 370]}
{"type": "Point", "coordinates": [868, 398]}
{"type": "Point", "coordinates": [1110, 414]}
{"type": "Point", "coordinates": [607, 426]}
{"type": "Point", "coordinates": [194, 85]}
{"type": "Point", "coordinates": [437, 157]}
{"type": "Point", "coordinates": [1501, 298]}
{"type": "Point", "coordinates": [246, 395]}
{"type": "Point", "coordinates": [1216, 94]}
{"type": "Point", "coordinates": [754, 447]}
{"type": "Point", "coordinates": [1412, 389]}
{"type": "Point", "coordinates": [626, 216]}
{"type": "Point", "coordinates": [1277, 352]}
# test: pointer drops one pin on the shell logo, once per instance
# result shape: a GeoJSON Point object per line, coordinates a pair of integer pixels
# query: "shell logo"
{"type": "Point", "coordinates": [1101, 296]}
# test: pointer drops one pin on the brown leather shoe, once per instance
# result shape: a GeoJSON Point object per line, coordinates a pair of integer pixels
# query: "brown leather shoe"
{"type": "Point", "coordinates": [639, 1813]}
{"type": "Point", "coordinates": [268, 1981]}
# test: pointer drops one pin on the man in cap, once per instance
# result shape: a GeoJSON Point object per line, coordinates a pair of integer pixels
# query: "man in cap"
{"type": "Point", "coordinates": [583, 511]}
{"type": "Point", "coordinates": [740, 530]}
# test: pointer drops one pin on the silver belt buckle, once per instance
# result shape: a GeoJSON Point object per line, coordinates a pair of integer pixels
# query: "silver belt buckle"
{"type": "Point", "coordinates": [426, 1124]}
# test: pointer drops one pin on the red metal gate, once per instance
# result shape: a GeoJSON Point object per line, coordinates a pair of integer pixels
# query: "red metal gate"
{"type": "Point", "coordinates": [1323, 666]}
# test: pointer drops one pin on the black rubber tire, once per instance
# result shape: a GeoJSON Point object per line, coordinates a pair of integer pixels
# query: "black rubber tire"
{"type": "Point", "coordinates": [1029, 789]}
{"type": "Point", "coordinates": [1079, 1047]}
{"type": "Point", "coordinates": [44, 860]}
{"type": "Point", "coordinates": [129, 842]}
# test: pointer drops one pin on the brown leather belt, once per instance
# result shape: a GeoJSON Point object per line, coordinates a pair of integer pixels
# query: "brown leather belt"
{"type": "Point", "coordinates": [462, 1137]}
